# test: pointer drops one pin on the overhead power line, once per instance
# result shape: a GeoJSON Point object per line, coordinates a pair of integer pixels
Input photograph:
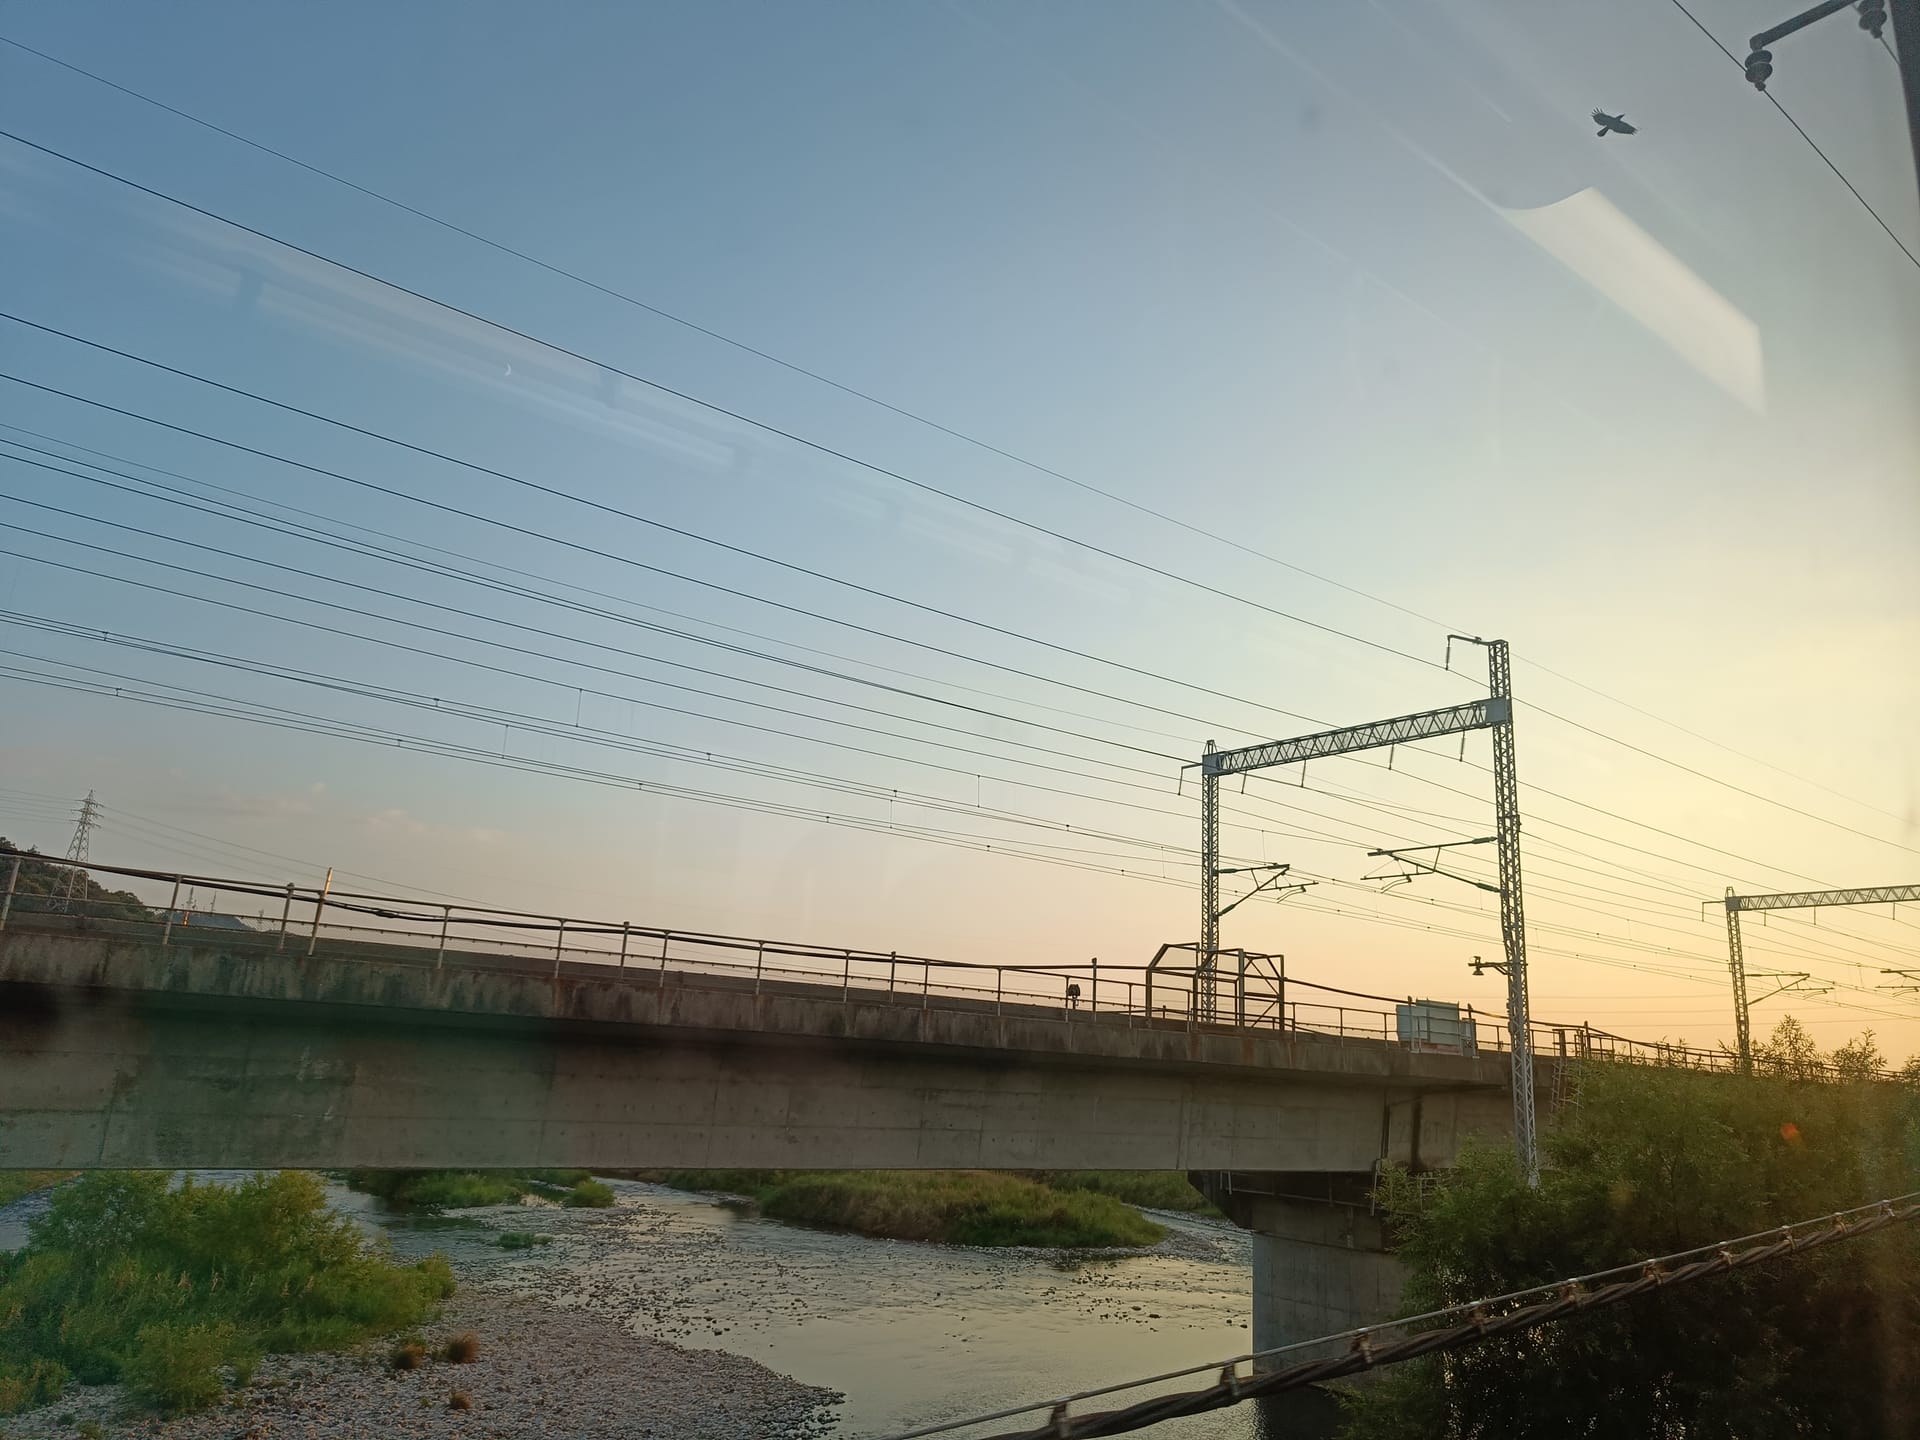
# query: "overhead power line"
{"type": "Point", "coordinates": [682, 532]}
{"type": "Point", "coordinates": [1353, 1352]}
{"type": "Point", "coordinates": [792, 367]}
{"type": "Point", "coordinates": [714, 407]}
{"type": "Point", "coordinates": [336, 529]}
{"type": "Point", "coordinates": [1812, 144]}
{"type": "Point", "coordinates": [633, 562]}
{"type": "Point", "coordinates": [837, 385]}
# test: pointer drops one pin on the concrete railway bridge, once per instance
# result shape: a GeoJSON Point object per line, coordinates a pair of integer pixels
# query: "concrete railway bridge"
{"type": "Point", "coordinates": [279, 1027]}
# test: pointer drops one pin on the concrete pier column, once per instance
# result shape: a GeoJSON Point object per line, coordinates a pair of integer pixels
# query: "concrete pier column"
{"type": "Point", "coordinates": [1318, 1269]}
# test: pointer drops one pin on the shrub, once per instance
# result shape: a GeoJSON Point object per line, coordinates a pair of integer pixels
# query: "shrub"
{"type": "Point", "coordinates": [959, 1207]}
{"type": "Point", "coordinates": [461, 1349]}
{"type": "Point", "coordinates": [39, 1382]}
{"type": "Point", "coordinates": [459, 1400]}
{"type": "Point", "coordinates": [522, 1240]}
{"type": "Point", "coordinates": [176, 1368]}
{"type": "Point", "coordinates": [126, 1278]}
{"type": "Point", "coordinates": [589, 1194]}
{"type": "Point", "coordinates": [408, 1355]}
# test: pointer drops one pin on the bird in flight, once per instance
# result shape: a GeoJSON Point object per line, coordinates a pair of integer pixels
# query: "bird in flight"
{"type": "Point", "coordinates": [1613, 124]}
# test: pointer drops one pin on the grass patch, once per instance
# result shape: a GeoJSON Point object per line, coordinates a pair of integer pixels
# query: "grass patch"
{"type": "Point", "coordinates": [15, 1183]}
{"type": "Point", "coordinates": [589, 1195]}
{"type": "Point", "coordinates": [430, 1191]}
{"type": "Point", "coordinates": [522, 1240]}
{"type": "Point", "coordinates": [1155, 1189]}
{"type": "Point", "coordinates": [169, 1288]}
{"type": "Point", "coordinates": [956, 1207]}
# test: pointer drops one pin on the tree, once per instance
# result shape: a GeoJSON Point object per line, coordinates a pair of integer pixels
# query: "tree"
{"type": "Point", "coordinates": [1789, 1052]}
{"type": "Point", "coordinates": [1645, 1161]}
{"type": "Point", "coordinates": [41, 885]}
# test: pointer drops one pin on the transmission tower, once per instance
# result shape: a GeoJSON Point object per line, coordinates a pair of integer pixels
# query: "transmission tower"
{"type": "Point", "coordinates": [1493, 713]}
{"type": "Point", "coordinates": [77, 851]}
{"type": "Point", "coordinates": [1794, 900]}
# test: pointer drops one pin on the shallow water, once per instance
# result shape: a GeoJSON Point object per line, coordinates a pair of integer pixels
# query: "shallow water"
{"type": "Point", "coordinates": [910, 1333]}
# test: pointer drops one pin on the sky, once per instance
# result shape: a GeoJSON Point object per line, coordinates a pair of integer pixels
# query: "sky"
{"type": "Point", "coordinates": [1262, 347]}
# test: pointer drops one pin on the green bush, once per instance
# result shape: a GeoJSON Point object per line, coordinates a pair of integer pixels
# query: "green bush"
{"type": "Point", "coordinates": [589, 1194]}
{"type": "Point", "coordinates": [126, 1278]}
{"type": "Point", "coordinates": [176, 1368]}
{"type": "Point", "coordinates": [37, 1383]}
{"type": "Point", "coordinates": [431, 1191]}
{"type": "Point", "coordinates": [1645, 1162]}
{"type": "Point", "coordinates": [522, 1240]}
{"type": "Point", "coordinates": [15, 1183]}
{"type": "Point", "coordinates": [1155, 1189]}
{"type": "Point", "coordinates": [957, 1207]}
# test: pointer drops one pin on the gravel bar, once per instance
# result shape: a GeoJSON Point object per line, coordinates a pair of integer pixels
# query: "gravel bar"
{"type": "Point", "coordinates": [541, 1372]}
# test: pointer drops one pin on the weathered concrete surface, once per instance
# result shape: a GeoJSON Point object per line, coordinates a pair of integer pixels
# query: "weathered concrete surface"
{"type": "Point", "coordinates": [1319, 1269]}
{"type": "Point", "coordinates": [116, 1051]}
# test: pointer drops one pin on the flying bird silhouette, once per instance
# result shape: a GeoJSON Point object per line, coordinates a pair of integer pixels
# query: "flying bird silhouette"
{"type": "Point", "coordinates": [1613, 124]}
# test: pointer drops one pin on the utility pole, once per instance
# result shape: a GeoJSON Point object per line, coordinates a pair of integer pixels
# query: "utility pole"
{"type": "Point", "coordinates": [77, 852]}
{"type": "Point", "coordinates": [1206, 997]}
{"type": "Point", "coordinates": [1791, 900]}
{"type": "Point", "coordinates": [1493, 713]}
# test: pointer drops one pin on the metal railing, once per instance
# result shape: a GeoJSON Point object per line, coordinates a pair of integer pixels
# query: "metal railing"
{"type": "Point", "coordinates": [294, 921]}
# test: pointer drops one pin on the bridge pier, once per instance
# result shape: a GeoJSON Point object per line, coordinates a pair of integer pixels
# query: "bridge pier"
{"type": "Point", "coordinates": [1321, 1260]}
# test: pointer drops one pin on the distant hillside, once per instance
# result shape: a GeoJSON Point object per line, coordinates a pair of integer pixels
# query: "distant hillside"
{"type": "Point", "coordinates": [41, 885]}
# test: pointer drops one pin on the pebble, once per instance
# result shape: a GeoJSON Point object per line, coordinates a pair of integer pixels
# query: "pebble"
{"type": "Point", "coordinates": [542, 1373]}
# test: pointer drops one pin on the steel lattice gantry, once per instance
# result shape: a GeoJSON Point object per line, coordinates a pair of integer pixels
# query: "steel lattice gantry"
{"type": "Point", "coordinates": [1494, 713]}
{"type": "Point", "coordinates": [1788, 900]}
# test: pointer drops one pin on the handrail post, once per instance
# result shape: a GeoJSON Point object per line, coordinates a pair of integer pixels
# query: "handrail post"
{"type": "Point", "coordinates": [759, 960]}
{"type": "Point", "coordinates": [319, 904]}
{"type": "Point", "coordinates": [13, 880]}
{"type": "Point", "coordinates": [626, 933]}
{"type": "Point", "coordinates": [893, 962]}
{"type": "Point", "coordinates": [559, 944]}
{"type": "Point", "coordinates": [286, 913]}
{"type": "Point", "coordinates": [1095, 1004]}
{"type": "Point", "coordinates": [173, 909]}
{"type": "Point", "coordinates": [846, 974]}
{"type": "Point", "coordinates": [926, 981]}
{"type": "Point", "coordinates": [999, 979]}
{"type": "Point", "coordinates": [446, 918]}
{"type": "Point", "coordinates": [665, 935]}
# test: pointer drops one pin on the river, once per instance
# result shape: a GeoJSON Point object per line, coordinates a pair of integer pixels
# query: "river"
{"type": "Point", "coordinates": [908, 1333]}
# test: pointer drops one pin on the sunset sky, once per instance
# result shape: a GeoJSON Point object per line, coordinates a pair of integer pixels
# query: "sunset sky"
{"type": "Point", "coordinates": [1265, 345]}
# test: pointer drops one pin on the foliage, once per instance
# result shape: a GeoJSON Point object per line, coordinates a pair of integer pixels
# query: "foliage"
{"type": "Point", "coordinates": [15, 1183]}
{"type": "Point", "coordinates": [1154, 1189]}
{"type": "Point", "coordinates": [1644, 1162]}
{"type": "Point", "coordinates": [589, 1194]}
{"type": "Point", "coordinates": [957, 1207]}
{"type": "Point", "coordinates": [127, 1276]}
{"type": "Point", "coordinates": [175, 1368]}
{"type": "Point", "coordinates": [522, 1240]}
{"type": "Point", "coordinates": [431, 1191]}
{"type": "Point", "coordinates": [41, 885]}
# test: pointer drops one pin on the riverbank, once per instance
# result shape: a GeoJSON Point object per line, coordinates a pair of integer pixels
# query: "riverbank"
{"type": "Point", "coordinates": [542, 1372]}
{"type": "Point", "coordinates": [950, 1207]}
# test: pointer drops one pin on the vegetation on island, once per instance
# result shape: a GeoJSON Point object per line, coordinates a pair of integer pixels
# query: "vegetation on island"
{"type": "Point", "coordinates": [955, 1207]}
{"type": "Point", "coordinates": [179, 1289]}
{"type": "Point", "coordinates": [16, 1183]}
{"type": "Point", "coordinates": [1646, 1161]}
{"type": "Point", "coordinates": [431, 1191]}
